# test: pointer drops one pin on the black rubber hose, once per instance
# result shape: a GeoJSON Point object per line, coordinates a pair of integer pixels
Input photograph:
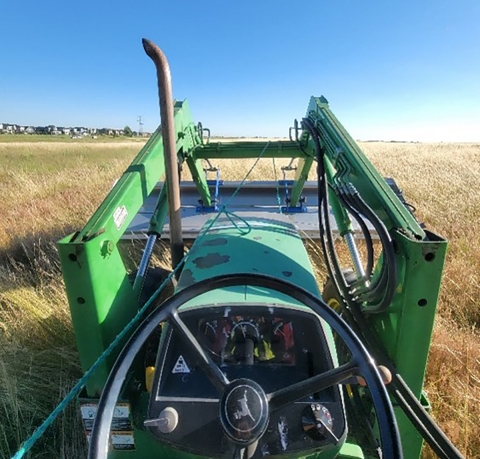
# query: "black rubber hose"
{"type": "Point", "coordinates": [412, 408]}
{"type": "Point", "coordinates": [333, 265]}
{"type": "Point", "coordinates": [326, 237]}
{"type": "Point", "coordinates": [322, 197]}
{"type": "Point", "coordinates": [422, 421]}
{"type": "Point", "coordinates": [384, 285]}
{"type": "Point", "coordinates": [380, 283]}
{"type": "Point", "coordinates": [388, 251]}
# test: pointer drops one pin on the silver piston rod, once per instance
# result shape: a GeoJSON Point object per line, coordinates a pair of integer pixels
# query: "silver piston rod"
{"type": "Point", "coordinates": [352, 248]}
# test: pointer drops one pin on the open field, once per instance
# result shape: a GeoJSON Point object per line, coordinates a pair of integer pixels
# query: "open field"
{"type": "Point", "coordinates": [50, 189]}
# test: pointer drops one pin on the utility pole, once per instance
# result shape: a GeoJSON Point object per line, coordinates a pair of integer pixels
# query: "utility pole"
{"type": "Point", "coordinates": [140, 125]}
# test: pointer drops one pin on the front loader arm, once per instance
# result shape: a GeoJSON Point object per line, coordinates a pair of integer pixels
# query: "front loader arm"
{"type": "Point", "coordinates": [418, 254]}
{"type": "Point", "coordinates": [137, 182]}
{"type": "Point", "coordinates": [99, 290]}
{"type": "Point", "coordinates": [403, 324]}
{"type": "Point", "coordinates": [352, 166]}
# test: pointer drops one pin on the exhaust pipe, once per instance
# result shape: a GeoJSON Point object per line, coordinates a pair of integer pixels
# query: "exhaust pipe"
{"type": "Point", "coordinates": [169, 147]}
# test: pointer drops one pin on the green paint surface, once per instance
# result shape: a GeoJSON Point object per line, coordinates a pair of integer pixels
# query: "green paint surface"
{"type": "Point", "coordinates": [267, 245]}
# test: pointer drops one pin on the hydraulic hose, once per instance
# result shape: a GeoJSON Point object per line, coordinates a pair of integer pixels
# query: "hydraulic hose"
{"type": "Point", "coordinates": [366, 235]}
{"type": "Point", "coordinates": [333, 265]}
{"type": "Point", "coordinates": [407, 401]}
{"type": "Point", "coordinates": [386, 280]}
{"type": "Point", "coordinates": [389, 265]}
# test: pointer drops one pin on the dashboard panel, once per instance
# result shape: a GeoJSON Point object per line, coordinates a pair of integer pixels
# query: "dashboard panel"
{"type": "Point", "coordinates": [273, 346]}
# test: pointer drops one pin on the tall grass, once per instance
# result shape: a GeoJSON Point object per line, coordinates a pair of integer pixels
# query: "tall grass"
{"type": "Point", "coordinates": [441, 181]}
{"type": "Point", "coordinates": [47, 191]}
{"type": "Point", "coordinates": [50, 189]}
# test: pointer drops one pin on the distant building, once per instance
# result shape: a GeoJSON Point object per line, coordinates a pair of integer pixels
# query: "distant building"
{"type": "Point", "coordinates": [51, 129]}
{"type": "Point", "coordinates": [9, 128]}
{"type": "Point", "coordinates": [41, 130]}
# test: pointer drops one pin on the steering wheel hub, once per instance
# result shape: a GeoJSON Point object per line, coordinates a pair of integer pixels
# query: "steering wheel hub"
{"type": "Point", "coordinates": [244, 411]}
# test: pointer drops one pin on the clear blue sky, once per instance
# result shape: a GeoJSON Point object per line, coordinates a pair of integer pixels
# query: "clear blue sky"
{"type": "Point", "coordinates": [403, 70]}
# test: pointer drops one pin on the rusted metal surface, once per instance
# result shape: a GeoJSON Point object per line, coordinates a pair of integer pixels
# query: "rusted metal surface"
{"type": "Point", "coordinates": [169, 147]}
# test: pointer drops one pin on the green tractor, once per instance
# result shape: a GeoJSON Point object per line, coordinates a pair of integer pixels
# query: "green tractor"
{"type": "Point", "coordinates": [245, 357]}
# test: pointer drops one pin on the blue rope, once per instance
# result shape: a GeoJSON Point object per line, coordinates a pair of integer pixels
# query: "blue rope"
{"type": "Point", "coordinates": [40, 430]}
{"type": "Point", "coordinates": [243, 231]}
{"type": "Point", "coordinates": [279, 199]}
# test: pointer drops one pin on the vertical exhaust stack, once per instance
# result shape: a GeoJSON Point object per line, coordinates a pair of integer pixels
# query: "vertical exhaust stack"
{"type": "Point", "coordinates": [169, 147]}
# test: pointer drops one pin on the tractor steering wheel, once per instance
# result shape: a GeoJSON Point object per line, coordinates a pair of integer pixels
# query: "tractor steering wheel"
{"type": "Point", "coordinates": [361, 363]}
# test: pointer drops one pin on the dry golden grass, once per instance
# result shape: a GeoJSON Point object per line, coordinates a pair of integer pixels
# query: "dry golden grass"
{"type": "Point", "coordinates": [49, 190]}
{"type": "Point", "coordinates": [442, 182]}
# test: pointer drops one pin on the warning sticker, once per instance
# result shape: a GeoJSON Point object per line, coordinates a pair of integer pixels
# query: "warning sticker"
{"type": "Point", "coordinates": [123, 441]}
{"type": "Point", "coordinates": [89, 411]}
{"type": "Point", "coordinates": [119, 216]}
{"type": "Point", "coordinates": [121, 416]}
{"type": "Point", "coordinates": [181, 366]}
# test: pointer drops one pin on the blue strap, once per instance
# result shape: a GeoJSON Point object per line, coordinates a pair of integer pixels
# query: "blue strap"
{"type": "Point", "coordinates": [279, 199]}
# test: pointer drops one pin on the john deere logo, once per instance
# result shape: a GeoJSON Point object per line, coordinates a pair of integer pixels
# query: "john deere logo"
{"type": "Point", "coordinates": [244, 411]}
{"type": "Point", "coordinates": [238, 410]}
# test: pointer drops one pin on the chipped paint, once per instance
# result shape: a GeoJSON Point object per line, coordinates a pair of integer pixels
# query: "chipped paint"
{"type": "Point", "coordinates": [215, 242]}
{"type": "Point", "coordinates": [187, 278]}
{"type": "Point", "coordinates": [283, 432]}
{"type": "Point", "coordinates": [265, 450]}
{"type": "Point", "coordinates": [227, 253]}
{"type": "Point", "coordinates": [211, 260]}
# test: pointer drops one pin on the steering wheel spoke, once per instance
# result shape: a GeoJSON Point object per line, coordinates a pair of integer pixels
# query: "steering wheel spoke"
{"type": "Point", "coordinates": [311, 385]}
{"type": "Point", "coordinates": [214, 374]}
